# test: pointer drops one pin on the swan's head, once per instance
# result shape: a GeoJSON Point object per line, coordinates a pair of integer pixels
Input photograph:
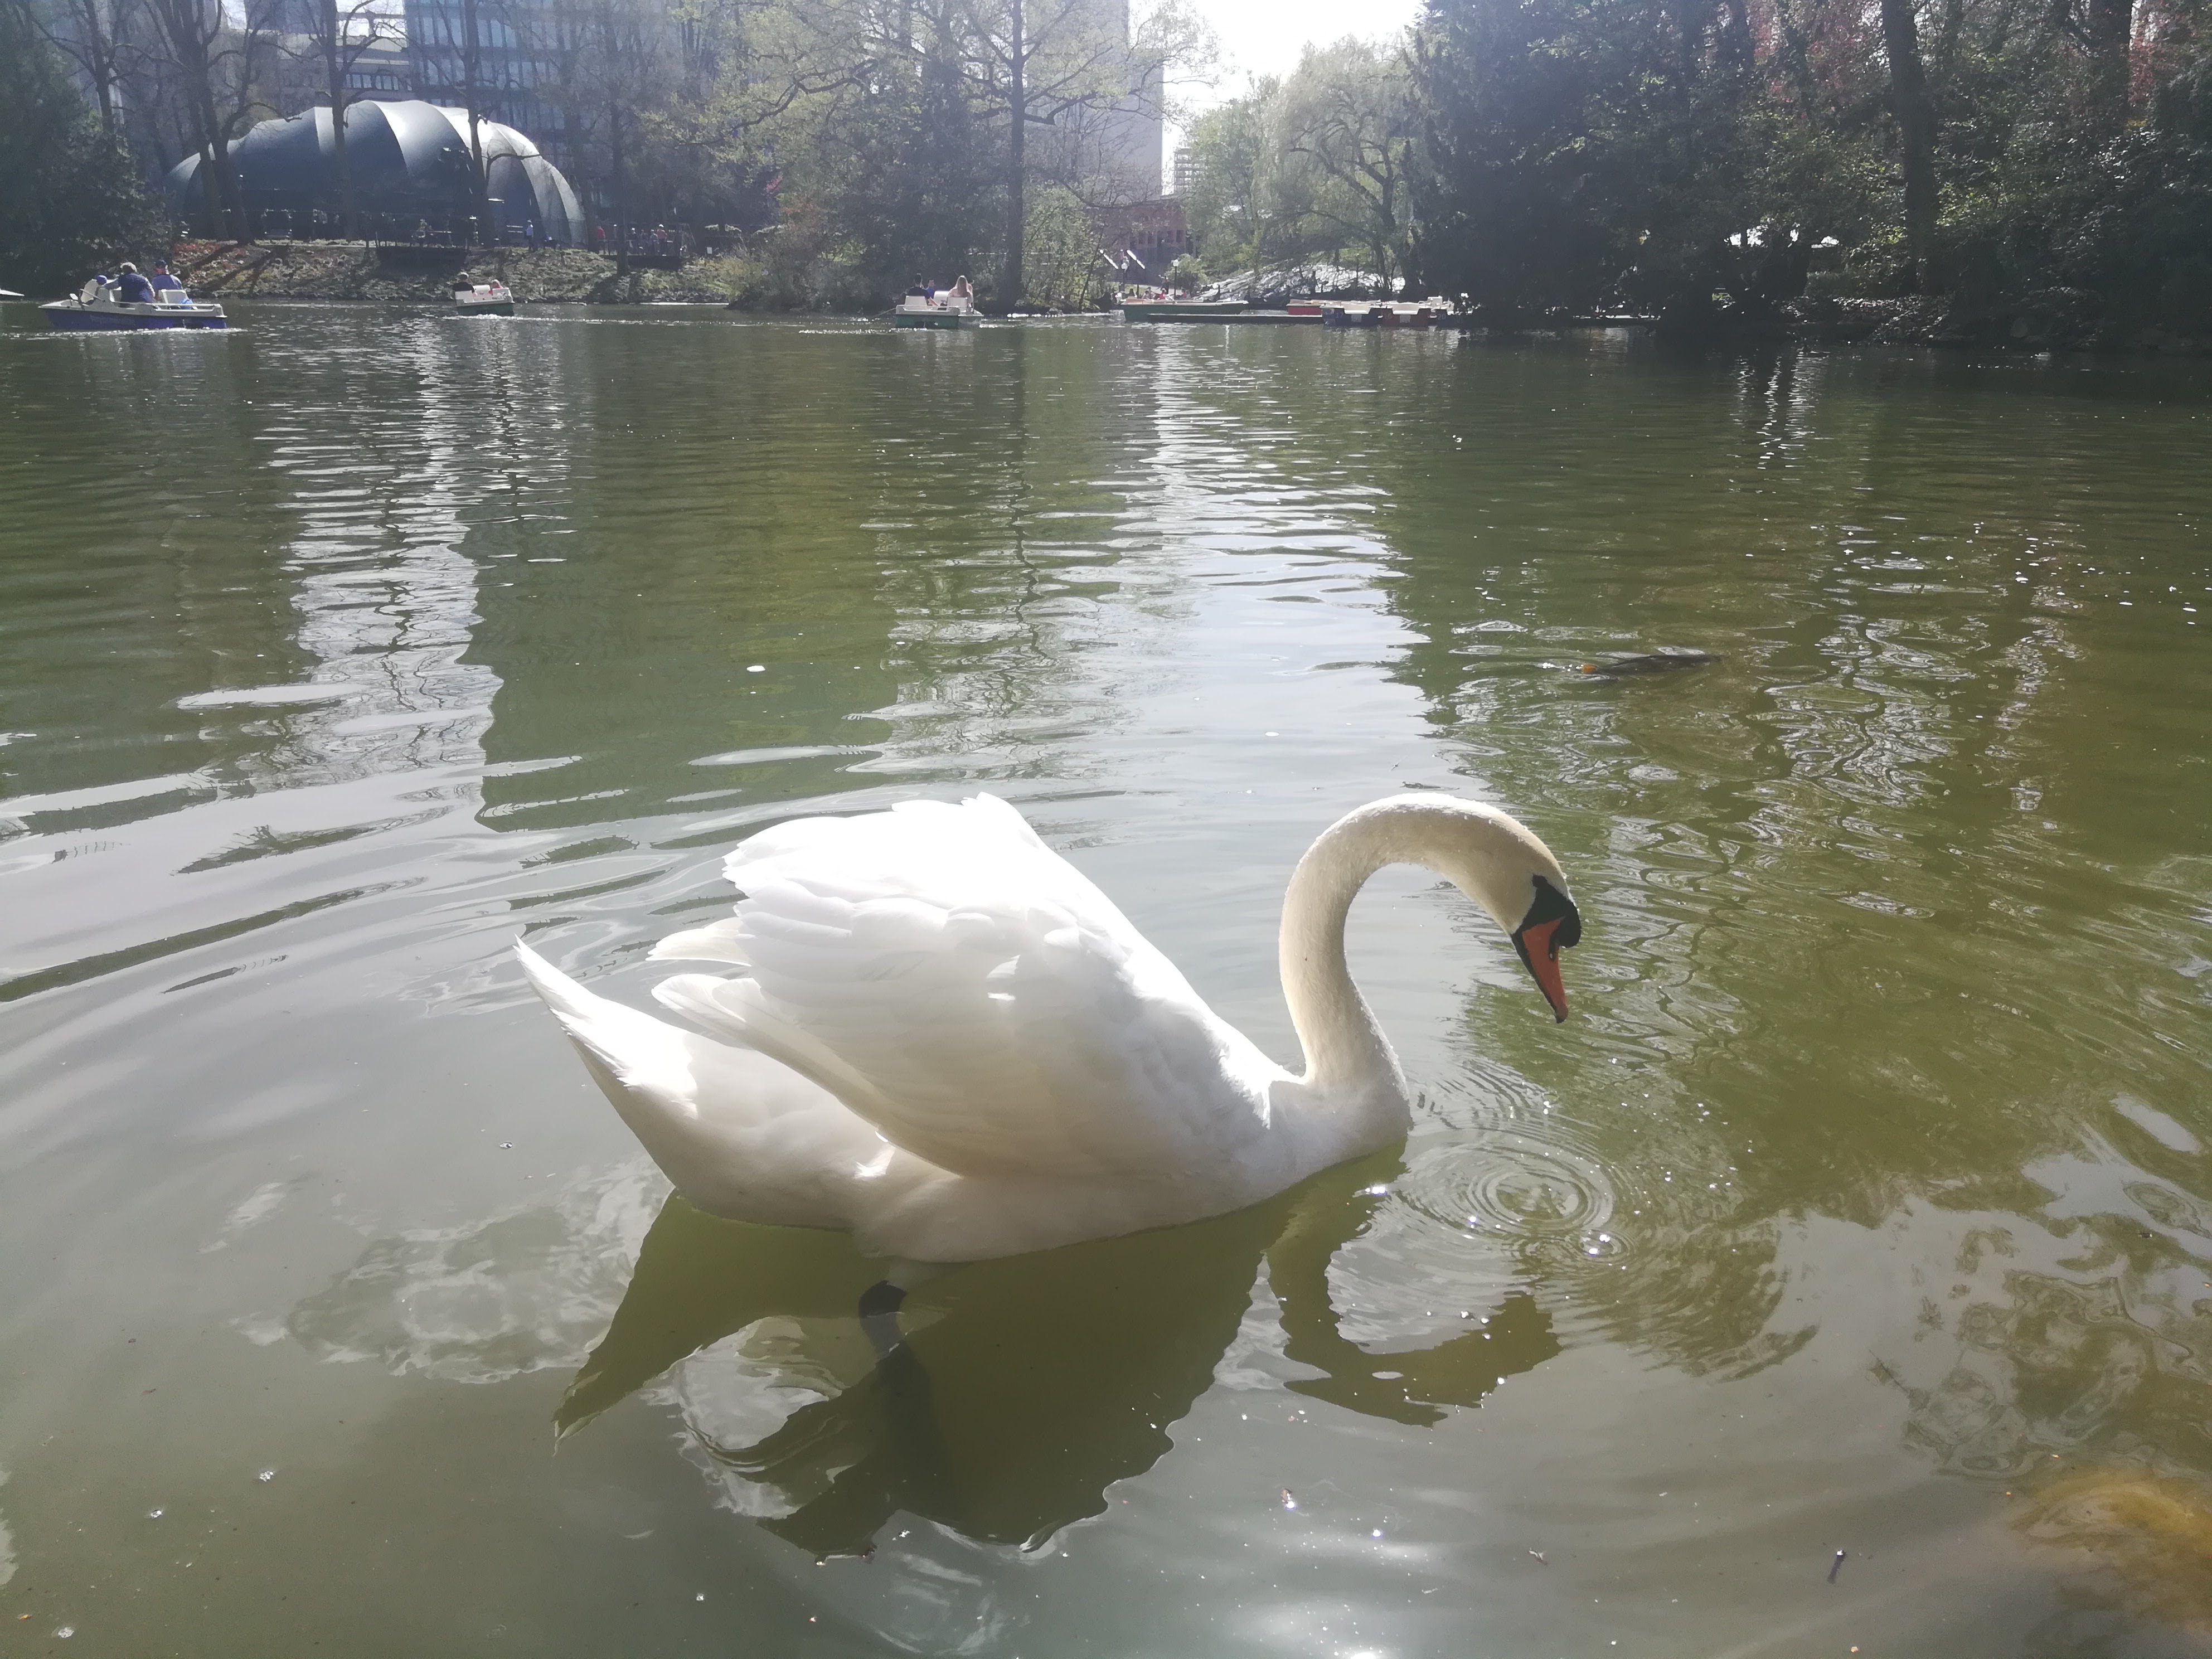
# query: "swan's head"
{"type": "Point", "coordinates": [1496, 860]}
{"type": "Point", "coordinates": [1499, 863]}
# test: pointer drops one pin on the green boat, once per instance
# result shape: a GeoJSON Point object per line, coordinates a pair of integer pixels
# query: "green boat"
{"type": "Point", "coordinates": [1180, 311]}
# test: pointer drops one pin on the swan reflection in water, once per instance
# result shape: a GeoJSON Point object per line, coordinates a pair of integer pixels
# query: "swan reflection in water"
{"type": "Point", "coordinates": [1026, 1386]}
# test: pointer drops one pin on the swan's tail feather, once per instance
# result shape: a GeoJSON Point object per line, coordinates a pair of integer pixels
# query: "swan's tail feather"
{"type": "Point", "coordinates": [635, 1050]}
{"type": "Point", "coordinates": [718, 941]}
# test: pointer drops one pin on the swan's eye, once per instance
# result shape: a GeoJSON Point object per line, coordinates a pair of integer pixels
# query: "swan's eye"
{"type": "Point", "coordinates": [1552, 905]}
{"type": "Point", "coordinates": [1553, 924]}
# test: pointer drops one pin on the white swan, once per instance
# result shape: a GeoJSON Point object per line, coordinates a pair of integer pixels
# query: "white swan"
{"type": "Point", "coordinates": [942, 1038]}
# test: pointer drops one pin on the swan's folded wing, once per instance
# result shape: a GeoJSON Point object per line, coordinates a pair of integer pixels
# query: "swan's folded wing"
{"type": "Point", "coordinates": [740, 1135]}
{"type": "Point", "coordinates": [963, 987]}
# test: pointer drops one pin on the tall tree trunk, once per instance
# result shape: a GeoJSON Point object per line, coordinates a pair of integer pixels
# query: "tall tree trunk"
{"type": "Point", "coordinates": [1915, 127]}
{"type": "Point", "coordinates": [100, 40]}
{"type": "Point", "coordinates": [619, 180]}
{"type": "Point", "coordinates": [211, 192]}
{"type": "Point", "coordinates": [186, 29]}
{"type": "Point", "coordinates": [1018, 110]}
{"type": "Point", "coordinates": [479, 188]}
{"type": "Point", "coordinates": [221, 169]}
{"type": "Point", "coordinates": [334, 65]}
{"type": "Point", "coordinates": [2112, 35]}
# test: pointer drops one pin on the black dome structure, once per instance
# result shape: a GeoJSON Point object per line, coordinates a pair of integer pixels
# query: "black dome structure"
{"type": "Point", "coordinates": [411, 167]}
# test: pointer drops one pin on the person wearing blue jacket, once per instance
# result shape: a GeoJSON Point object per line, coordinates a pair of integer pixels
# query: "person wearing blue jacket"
{"type": "Point", "coordinates": [132, 288]}
{"type": "Point", "coordinates": [166, 289]}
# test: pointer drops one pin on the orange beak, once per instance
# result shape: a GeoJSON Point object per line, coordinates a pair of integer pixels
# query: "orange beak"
{"type": "Point", "coordinates": [1540, 951]}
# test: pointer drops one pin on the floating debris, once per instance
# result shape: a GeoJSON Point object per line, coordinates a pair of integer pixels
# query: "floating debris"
{"type": "Point", "coordinates": [1289, 1502]}
{"type": "Point", "coordinates": [1539, 1556]}
{"type": "Point", "coordinates": [266, 1475]}
{"type": "Point", "coordinates": [1657, 662]}
{"type": "Point", "coordinates": [1836, 1566]}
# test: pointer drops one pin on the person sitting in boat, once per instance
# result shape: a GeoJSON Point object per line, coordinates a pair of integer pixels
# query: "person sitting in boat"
{"type": "Point", "coordinates": [962, 291]}
{"type": "Point", "coordinates": [166, 287]}
{"type": "Point", "coordinates": [132, 288]}
{"type": "Point", "coordinates": [463, 283]}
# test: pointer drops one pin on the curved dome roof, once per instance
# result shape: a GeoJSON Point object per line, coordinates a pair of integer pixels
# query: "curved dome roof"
{"type": "Point", "coordinates": [409, 163]}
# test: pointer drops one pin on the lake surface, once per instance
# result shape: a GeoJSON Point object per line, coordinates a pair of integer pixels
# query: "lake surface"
{"type": "Point", "coordinates": [1865, 1204]}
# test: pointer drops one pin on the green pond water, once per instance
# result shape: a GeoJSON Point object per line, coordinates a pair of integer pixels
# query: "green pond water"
{"type": "Point", "coordinates": [1865, 1204]}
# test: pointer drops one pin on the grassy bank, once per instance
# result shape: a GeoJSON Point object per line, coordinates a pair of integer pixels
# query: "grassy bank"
{"type": "Point", "coordinates": [347, 270]}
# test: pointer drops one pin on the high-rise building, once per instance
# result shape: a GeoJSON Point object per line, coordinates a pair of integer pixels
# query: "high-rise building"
{"type": "Point", "coordinates": [374, 61]}
{"type": "Point", "coordinates": [508, 67]}
{"type": "Point", "coordinates": [1187, 169]}
{"type": "Point", "coordinates": [1111, 152]}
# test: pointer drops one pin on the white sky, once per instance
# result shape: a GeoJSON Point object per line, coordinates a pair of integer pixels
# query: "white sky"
{"type": "Point", "coordinates": [1264, 37]}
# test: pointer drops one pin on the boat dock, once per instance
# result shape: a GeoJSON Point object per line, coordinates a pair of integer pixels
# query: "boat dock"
{"type": "Point", "coordinates": [1359, 317]}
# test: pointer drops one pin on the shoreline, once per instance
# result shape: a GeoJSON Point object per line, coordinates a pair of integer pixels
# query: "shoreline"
{"type": "Point", "coordinates": [2052, 320]}
{"type": "Point", "coordinates": [545, 276]}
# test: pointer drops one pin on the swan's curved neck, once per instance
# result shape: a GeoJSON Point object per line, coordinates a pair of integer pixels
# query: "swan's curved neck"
{"type": "Point", "coordinates": [1348, 1057]}
{"type": "Point", "coordinates": [1348, 1060]}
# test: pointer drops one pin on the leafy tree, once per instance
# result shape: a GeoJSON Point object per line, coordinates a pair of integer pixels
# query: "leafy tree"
{"type": "Point", "coordinates": [1060, 64]}
{"type": "Point", "coordinates": [71, 199]}
{"type": "Point", "coordinates": [1694, 156]}
{"type": "Point", "coordinates": [1224, 207]}
{"type": "Point", "coordinates": [1345, 133]}
{"type": "Point", "coordinates": [1062, 243]}
{"type": "Point", "coordinates": [1319, 165]}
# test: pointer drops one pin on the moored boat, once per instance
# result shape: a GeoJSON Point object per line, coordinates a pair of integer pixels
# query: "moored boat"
{"type": "Point", "coordinates": [1180, 311]}
{"type": "Point", "coordinates": [1385, 314]}
{"type": "Point", "coordinates": [918, 308]}
{"type": "Point", "coordinates": [95, 309]}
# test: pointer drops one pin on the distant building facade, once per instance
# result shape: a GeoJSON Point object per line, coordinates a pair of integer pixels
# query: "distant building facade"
{"type": "Point", "coordinates": [1111, 154]}
{"type": "Point", "coordinates": [378, 68]}
{"type": "Point", "coordinates": [1141, 240]}
{"type": "Point", "coordinates": [510, 72]}
{"type": "Point", "coordinates": [1130, 143]}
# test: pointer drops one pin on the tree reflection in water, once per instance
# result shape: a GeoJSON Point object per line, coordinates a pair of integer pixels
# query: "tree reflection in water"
{"type": "Point", "coordinates": [1027, 1386]}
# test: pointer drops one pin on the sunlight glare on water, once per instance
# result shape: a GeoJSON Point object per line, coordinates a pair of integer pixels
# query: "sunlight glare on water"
{"type": "Point", "coordinates": [1863, 1204]}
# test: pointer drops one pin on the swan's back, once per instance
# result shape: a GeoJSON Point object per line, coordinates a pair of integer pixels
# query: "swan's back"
{"type": "Point", "coordinates": [965, 989]}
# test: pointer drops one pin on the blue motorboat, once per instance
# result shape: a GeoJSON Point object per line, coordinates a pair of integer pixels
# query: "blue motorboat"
{"type": "Point", "coordinates": [96, 307]}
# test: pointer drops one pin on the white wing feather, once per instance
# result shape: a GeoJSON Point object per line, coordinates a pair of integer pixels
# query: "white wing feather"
{"type": "Point", "coordinates": [740, 1134]}
{"type": "Point", "coordinates": [964, 989]}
